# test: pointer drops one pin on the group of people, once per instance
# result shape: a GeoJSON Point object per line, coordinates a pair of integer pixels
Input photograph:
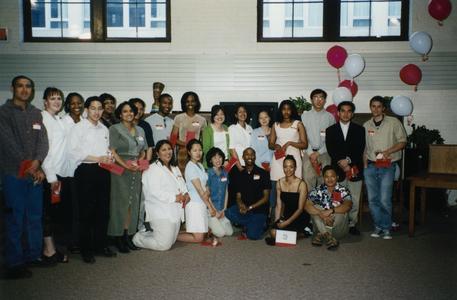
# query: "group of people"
{"type": "Point", "coordinates": [106, 171]}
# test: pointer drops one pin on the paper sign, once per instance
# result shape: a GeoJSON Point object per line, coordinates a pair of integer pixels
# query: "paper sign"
{"type": "Point", "coordinates": [113, 168]}
{"type": "Point", "coordinates": [286, 238]}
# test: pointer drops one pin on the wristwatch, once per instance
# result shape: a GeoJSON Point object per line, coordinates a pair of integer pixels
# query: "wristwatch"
{"type": "Point", "coordinates": [250, 207]}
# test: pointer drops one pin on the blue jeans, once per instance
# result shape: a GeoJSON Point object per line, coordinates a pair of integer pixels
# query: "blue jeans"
{"type": "Point", "coordinates": [379, 182]}
{"type": "Point", "coordinates": [254, 222]}
{"type": "Point", "coordinates": [24, 209]}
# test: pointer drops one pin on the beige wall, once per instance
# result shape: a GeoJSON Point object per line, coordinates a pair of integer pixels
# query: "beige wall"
{"type": "Point", "coordinates": [214, 51]}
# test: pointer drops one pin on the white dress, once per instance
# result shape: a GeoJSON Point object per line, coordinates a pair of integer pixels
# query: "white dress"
{"type": "Point", "coordinates": [196, 211]}
{"type": "Point", "coordinates": [284, 135]}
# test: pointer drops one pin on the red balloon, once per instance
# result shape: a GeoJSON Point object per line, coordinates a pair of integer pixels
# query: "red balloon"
{"type": "Point", "coordinates": [411, 74]}
{"type": "Point", "coordinates": [439, 9]}
{"type": "Point", "coordinates": [336, 56]}
{"type": "Point", "coordinates": [350, 85]}
{"type": "Point", "coordinates": [333, 109]}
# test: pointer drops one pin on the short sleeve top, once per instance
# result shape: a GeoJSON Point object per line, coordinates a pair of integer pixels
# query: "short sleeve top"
{"type": "Point", "coordinates": [195, 171]}
{"type": "Point", "coordinates": [125, 143]}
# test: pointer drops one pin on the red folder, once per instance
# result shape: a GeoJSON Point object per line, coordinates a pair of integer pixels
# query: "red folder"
{"type": "Point", "coordinates": [143, 164]}
{"type": "Point", "coordinates": [383, 163]}
{"type": "Point", "coordinates": [25, 164]}
{"type": "Point", "coordinates": [266, 166]}
{"type": "Point", "coordinates": [113, 168]}
{"type": "Point", "coordinates": [280, 154]}
{"type": "Point", "coordinates": [336, 196]}
{"type": "Point", "coordinates": [190, 135]}
{"type": "Point", "coordinates": [173, 139]}
{"type": "Point", "coordinates": [230, 164]}
{"type": "Point", "coordinates": [352, 173]}
{"type": "Point", "coordinates": [317, 168]}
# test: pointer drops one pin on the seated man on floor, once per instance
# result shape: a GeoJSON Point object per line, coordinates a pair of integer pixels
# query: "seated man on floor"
{"type": "Point", "coordinates": [251, 186]}
{"type": "Point", "coordinates": [328, 205]}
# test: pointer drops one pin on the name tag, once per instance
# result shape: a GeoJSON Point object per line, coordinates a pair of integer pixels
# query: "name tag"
{"type": "Point", "coordinates": [256, 177]}
{"type": "Point", "coordinates": [223, 179]}
{"type": "Point", "coordinates": [36, 126]}
{"type": "Point", "coordinates": [260, 137]}
{"type": "Point", "coordinates": [195, 124]}
{"type": "Point", "coordinates": [141, 139]}
{"type": "Point", "coordinates": [322, 133]}
{"type": "Point", "coordinates": [371, 132]}
{"type": "Point", "coordinates": [159, 127]}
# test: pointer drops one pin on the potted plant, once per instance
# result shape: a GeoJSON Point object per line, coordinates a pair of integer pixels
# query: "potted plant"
{"type": "Point", "coordinates": [301, 103]}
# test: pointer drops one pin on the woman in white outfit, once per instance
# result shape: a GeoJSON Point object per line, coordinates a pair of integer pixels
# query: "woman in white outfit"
{"type": "Point", "coordinates": [165, 192]}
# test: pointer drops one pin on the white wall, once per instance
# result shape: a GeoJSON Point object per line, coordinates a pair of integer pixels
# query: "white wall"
{"type": "Point", "coordinates": [215, 53]}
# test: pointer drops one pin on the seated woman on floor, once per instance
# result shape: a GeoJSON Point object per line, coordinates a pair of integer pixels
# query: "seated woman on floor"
{"type": "Point", "coordinates": [328, 205]}
{"type": "Point", "coordinates": [165, 192]}
{"type": "Point", "coordinates": [291, 193]}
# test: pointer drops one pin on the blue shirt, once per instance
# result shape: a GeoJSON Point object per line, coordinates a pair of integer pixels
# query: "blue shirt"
{"type": "Point", "coordinates": [322, 197]}
{"type": "Point", "coordinates": [217, 186]}
{"type": "Point", "coordinates": [259, 142]}
{"type": "Point", "coordinates": [195, 171]}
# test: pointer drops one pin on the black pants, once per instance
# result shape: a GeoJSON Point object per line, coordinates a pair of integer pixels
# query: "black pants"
{"type": "Point", "coordinates": [93, 192]}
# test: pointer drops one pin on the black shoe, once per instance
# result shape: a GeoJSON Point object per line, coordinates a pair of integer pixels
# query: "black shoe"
{"type": "Point", "coordinates": [88, 257]}
{"type": "Point", "coordinates": [121, 245]}
{"type": "Point", "coordinates": [106, 252]}
{"type": "Point", "coordinates": [270, 241]}
{"type": "Point", "coordinates": [18, 272]}
{"type": "Point", "coordinates": [42, 263]}
{"type": "Point", "coordinates": [354, 231]}
{"type": "Point", "coordinates": [130, 244]}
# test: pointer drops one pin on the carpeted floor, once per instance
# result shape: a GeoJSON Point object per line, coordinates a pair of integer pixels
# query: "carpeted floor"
{"type": "Point", "coordinates": [423, 267]}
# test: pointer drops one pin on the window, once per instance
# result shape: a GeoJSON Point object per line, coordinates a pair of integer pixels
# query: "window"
{"type": "Point", "coordinates": [97, 20]}
{"type": "Point", "coordinates": [332, 20]}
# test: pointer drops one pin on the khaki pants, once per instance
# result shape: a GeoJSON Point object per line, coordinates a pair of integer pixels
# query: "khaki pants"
{"type": "Point", "coordinates": [339, 229]}
{"type": "Point", "coordinates": [309, 174]}
{"type": "Point", "coordinates": [355, 187]}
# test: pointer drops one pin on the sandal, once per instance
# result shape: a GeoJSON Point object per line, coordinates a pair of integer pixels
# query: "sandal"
{"type": "Point", "coordinates": [332, 243]}
{"type": "Point", "coordinates": [317, 240]}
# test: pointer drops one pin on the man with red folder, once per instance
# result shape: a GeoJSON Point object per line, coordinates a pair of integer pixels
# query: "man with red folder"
{"type": "Point", "coordinates": [345, 143]}
{"type": "Point", "coordinates": [23, 147]}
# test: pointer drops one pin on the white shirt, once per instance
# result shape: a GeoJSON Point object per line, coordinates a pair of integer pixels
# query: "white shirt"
{"type": "Point", "coordinates": [68, 122]}
{"type": "Point", "coordinates": [316, 122]}
{"type": "Point", "coordinates": [161, 127]}
{"type": "Point", "coordinates": [160, 187]}
{"type": "Point", "coordinates": [220, 141]}
{"type": "Point", "coordinates": [56, 162]}
{"type": "Point", "coordinates": [344, 128]}
{"type": "Point", "coordinates": [88, 139]}
{"type": "Point", "coordinates": [240, 139]}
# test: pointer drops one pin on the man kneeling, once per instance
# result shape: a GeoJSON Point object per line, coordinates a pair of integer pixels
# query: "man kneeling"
{"type": "Point", "coordinates": [328, 206]}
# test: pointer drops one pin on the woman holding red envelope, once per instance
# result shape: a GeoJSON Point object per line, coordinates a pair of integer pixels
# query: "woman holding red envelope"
{"type": "Point", "coordinates": [128, 146]}
{"type": "Point", "coordinates": [288, 137]}
{"type": "Point", "coordinates": [216, 134]}
{"type": "Point", "coordinates": [188, 125]}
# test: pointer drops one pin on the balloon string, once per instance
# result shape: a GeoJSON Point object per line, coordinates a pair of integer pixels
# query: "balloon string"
{"type": "Point", "coordinates": [440, 23]}
{"type": "Point", "coordinates": [338, 74]}
{"type": "Point", "coordinates": [424, 57]}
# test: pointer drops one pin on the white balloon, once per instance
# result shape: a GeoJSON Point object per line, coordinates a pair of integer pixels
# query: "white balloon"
{"type": "Point", "coordinates": [354, 65]}
{"type": "Point", "coordinates": [341, 94]}
{"type": "Point", "coordinates": [421, 42]}
{"type": "Point", "coordinates": [401, 106]}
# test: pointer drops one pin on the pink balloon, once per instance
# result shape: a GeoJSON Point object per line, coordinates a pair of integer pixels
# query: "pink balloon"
{"type": "Point", "coordinates": [336, 56]}
{"type": "Point", "coordinates": [439, 9]}
{"type": "Point", "coordinates": [350, 85]}
{"type": "Point", "coordinates": [333, 109]}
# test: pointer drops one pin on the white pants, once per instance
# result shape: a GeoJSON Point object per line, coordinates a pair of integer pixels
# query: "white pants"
{"type": "Point", "coordinates": [162, 237]}
{"type": "Point", "coordinates": [220, 227]}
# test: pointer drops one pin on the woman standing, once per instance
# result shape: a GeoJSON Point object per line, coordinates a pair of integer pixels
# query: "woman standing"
{"type": "Point", "coordinates": [200, 201]}
{"type": "Point", "coordinates": [217, 183]}
{"type": "Point", "coordinates": [55, 167]}
{"type": "Point", "coordinates": [165, 193]}
{"type": "Point", "coordinates": [291, 198]}
{"type": "Point", "coordinates": [288, 136]}
{"type": "Point", "coordinates": [89, 141]}
{"type": "Point", "coordinates": [259, 141]}
{"type": "Point", "coordinates": [128, 145]}
{"type": "Point", "coordinates": [216, 134]}
{"type": "Point", "coordinates": [240, 135]}
{"type": "Point", "coordinates": [188, 125]}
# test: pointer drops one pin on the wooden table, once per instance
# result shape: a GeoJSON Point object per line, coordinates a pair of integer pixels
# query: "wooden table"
{"type": "Point", "coordinates": [424, 181]}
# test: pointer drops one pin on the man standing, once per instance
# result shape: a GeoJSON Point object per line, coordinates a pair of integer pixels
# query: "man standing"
{"type": "Point", "coordinates": [345, 143]}
{"type": "Point", "coordinates": [316, 122]}
{"type": "Point", "coordinates": [23, 147]}
{"type": "Point", "coordinates": [252, 188]}
{"type": "Point", "coordinates": [157, 89]}
{"type": "Point", "coordinates": [160, 122]}
{"type": "Point", "coordinates": [385, 138]}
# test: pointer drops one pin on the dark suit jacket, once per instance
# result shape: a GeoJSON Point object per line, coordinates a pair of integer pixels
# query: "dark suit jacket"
{"type": "Point", "coordinates": [353, 147]}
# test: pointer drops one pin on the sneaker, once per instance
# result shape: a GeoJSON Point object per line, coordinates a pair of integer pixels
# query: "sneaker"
{"type": "Point", "coordinates": [387, 235]}
{"type": "Point", "coordinates": [376, 233]}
